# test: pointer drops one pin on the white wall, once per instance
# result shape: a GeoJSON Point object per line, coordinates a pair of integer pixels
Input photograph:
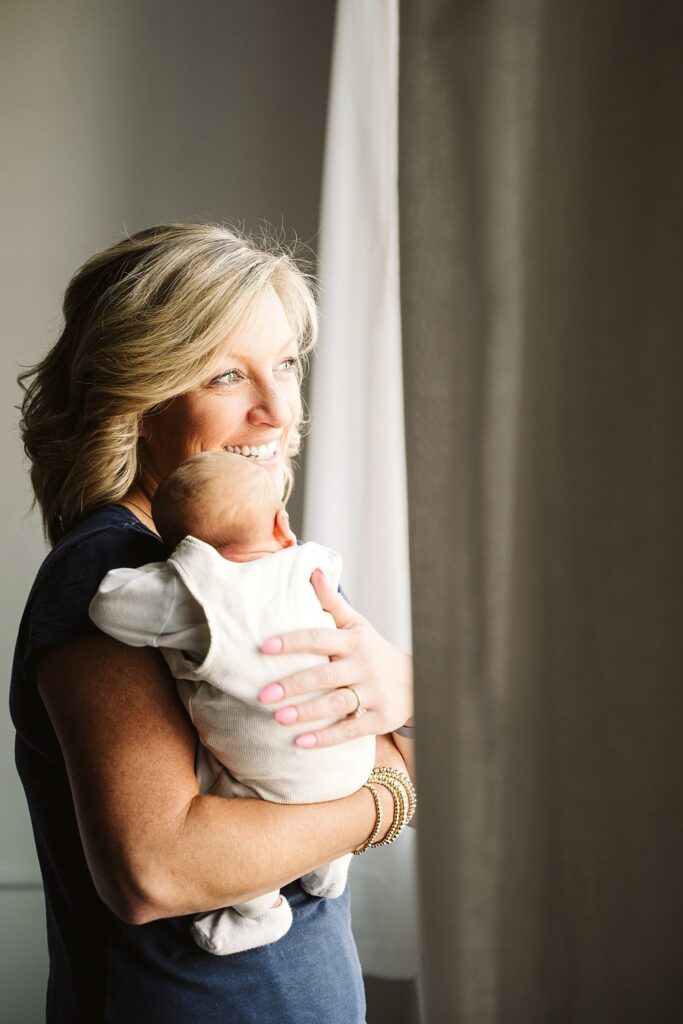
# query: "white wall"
{"type": "Point", "coordinates": [118, 116]}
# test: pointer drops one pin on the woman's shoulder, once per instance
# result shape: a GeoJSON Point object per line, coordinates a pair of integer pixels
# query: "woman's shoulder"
{"type": "Point", "coordinates": [57, 608]}
{"type": "Point", "coordinates": [112, 528]}
{"type": "Point", "coordinates": [109, 538]}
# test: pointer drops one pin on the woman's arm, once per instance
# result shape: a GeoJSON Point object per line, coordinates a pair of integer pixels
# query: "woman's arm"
{"type": "Point", "coordinates": [155, 846]}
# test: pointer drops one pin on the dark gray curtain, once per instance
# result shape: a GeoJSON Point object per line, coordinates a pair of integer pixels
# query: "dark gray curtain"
{"type": "Point", "coordinates": [540, 189]}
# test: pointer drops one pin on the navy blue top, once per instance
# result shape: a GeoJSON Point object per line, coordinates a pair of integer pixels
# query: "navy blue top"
{"type": "Point", "coordinates": [101, 969]}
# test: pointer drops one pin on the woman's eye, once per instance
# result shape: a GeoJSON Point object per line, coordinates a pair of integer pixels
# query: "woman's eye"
{"type": "Point", "coordinates": [289, 365]}
{"type": "Point", "coordinates": [229, 377]}
{"type": "Point", "coordinates": [292, 363]}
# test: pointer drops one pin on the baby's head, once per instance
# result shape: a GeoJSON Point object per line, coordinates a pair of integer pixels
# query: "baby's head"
{"type": "Point", "coordinates": [227, 501]}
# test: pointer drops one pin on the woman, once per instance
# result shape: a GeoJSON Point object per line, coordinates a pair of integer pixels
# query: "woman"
{"type": "Point", "coordinates": [180, 339]}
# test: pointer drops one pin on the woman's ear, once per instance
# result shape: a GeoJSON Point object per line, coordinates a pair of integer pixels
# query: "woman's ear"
{"type": "Point", "coordinates": [282, 531]}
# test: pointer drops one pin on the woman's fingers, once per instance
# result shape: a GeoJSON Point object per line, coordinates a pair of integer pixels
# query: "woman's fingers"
{"type": "Point", "coordinates": [337, 703]}
{"type": "Point", "coordinates": [340, 732]}
{"type": "Point", "coordinates": [327, 676]}
{"type": "Point", "coordinates": [340, 702]}
{"type": "Point", "coordinates": [333, 643]}
{"type": "Point", "coordinates": [332, 602]}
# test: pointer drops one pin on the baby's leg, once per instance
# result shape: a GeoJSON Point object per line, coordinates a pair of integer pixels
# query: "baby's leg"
{"type": "Point", "coordinates": [328, 880]}
{"type": "Point", "coordinates": [247, 925]}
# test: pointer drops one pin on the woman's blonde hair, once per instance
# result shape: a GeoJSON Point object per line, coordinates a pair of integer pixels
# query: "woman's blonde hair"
{"type": "Point", "coordinates": [142, 321]}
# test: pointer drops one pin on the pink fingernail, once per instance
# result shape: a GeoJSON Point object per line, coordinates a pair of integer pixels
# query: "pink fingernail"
{"type": "Point", "coordinates": [308, 739]}
{"type": "Point", "coordinates": [271, 693]}
{"type": "Point", "coordinates": [273, 645]}
{"type": "Point", "coordinates": [286, 715]}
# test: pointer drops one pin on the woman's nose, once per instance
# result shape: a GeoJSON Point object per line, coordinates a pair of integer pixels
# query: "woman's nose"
{"type": "Point", "coordinates": [271, 406]}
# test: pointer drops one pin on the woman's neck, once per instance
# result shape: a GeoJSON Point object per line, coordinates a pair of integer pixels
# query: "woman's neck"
{"type": "Point", "coordinates": [137, 502]}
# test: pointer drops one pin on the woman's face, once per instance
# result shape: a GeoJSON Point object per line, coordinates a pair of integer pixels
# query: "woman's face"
{"type": "Point", "coordinates": [250, 399]}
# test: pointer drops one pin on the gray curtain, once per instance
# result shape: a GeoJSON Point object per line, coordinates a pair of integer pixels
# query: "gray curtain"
{"type": "Point", "coordinates": [540, 186]}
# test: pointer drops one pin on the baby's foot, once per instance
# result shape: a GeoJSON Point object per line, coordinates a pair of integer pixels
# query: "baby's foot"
{"type": "Point", "coordinates": [225, 931]}
{"type": "Point", "coordinates": [329, 880]}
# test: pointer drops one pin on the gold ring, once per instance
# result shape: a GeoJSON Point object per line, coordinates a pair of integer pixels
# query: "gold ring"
{"type": "Point", "coordinates": [359, 710]}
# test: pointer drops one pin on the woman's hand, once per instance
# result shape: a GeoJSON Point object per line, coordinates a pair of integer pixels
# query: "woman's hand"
{"type": "Point", "coordinates": [380, 674]}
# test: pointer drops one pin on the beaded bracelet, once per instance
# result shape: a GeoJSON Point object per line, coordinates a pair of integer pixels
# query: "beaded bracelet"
{"type": "Point", "coordinates": [405, 803]}
{"type": "Point", "coordinates": [400, 811]}
{"type": "Point", "coordinates": [378, 822]}
{"type": "Point", "coordinates": [404, 780]}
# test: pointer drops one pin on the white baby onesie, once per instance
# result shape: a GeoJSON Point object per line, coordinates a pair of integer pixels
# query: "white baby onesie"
{"type": "Point", "coordinates": [209, 615]}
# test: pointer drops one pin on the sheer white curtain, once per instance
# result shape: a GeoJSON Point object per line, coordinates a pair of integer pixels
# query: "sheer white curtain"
{"type": "Point", "coordinates": [355, 498]}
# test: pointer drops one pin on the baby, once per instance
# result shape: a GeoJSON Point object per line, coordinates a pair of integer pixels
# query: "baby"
{"type": "Point", "coordinates": [236, 576]}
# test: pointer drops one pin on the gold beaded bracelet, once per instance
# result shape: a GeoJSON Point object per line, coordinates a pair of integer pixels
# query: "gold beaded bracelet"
{"type": "Point", "coordinates": [378, 822]}
{"type": "Point", "coordinates": [405, 803]}
{"type": "Point", "coordinates": [400, 810]}
{"type": "Point", "coordinates": [400, 803]}
{"type": "Point", "coordinates": [404, 780]}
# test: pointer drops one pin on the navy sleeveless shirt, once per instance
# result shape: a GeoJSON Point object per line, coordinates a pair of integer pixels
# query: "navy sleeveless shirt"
{"type": "Point", "coordinates": [101, 969]}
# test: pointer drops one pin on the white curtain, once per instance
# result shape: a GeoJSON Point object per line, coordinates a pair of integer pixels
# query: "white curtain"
{"type": "Point", "coordinates": [355, 498]}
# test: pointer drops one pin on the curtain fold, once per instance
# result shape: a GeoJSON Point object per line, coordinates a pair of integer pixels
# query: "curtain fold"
{"type": "Point", "coordinates": [355, 495]}
{"type": "Point", "coordinates": [540, 203]}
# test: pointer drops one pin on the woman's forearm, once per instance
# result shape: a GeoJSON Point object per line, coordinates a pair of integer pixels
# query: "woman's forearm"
{"type": "Point", "coordinates": [264, 846]}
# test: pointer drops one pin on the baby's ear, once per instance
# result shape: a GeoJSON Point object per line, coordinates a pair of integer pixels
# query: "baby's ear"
{"type": "Point", "coordinates": [282, 531]}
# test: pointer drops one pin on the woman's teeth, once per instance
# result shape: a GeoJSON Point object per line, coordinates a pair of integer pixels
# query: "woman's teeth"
{"type": "Point", "coordinates": [252, 451]}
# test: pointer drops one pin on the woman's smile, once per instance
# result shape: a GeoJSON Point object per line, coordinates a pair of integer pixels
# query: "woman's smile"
{"type": "Point", "coordinates": [262, 452]}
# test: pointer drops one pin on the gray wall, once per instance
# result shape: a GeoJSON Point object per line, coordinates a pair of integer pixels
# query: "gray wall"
{"type": "Point", "coordinates": [117, 116]}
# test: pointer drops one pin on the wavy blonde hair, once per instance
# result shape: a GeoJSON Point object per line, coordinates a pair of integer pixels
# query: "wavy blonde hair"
{"type": "Point", "coordinates": [142, 320]}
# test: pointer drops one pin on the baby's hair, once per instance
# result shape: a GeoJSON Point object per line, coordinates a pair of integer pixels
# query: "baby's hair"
{"type": "Point", "coordinates": [217, 497]}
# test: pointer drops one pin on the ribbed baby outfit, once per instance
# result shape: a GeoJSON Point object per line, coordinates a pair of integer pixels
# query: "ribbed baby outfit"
{"type": "Point", "coordinates": [220, 672]}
